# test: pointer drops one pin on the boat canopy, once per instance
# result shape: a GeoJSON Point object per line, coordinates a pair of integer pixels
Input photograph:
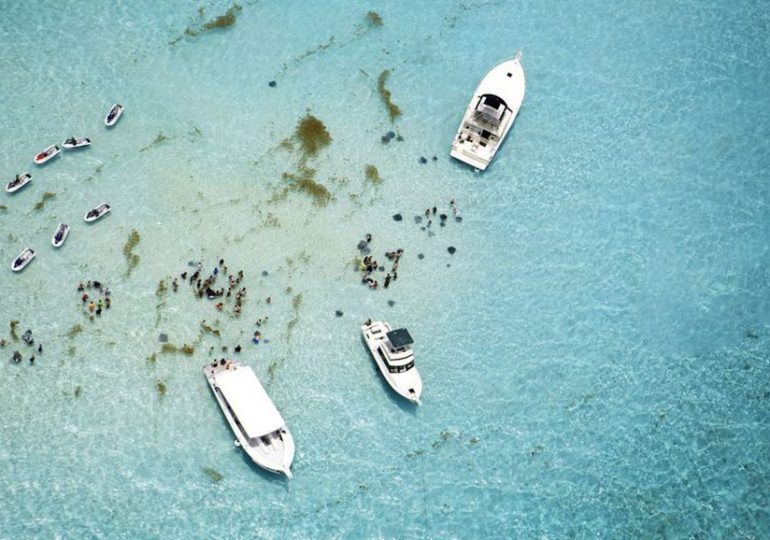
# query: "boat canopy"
{"type": "Point", "coordinates": [399, 338]}
{"type": "Point", "coordinates": [249, 402]}
{"type": "Point", "coordinates": [491, 108]}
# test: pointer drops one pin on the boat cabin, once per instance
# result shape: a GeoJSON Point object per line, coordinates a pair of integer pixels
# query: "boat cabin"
{"type": "Point", "coordinates": [490, 110]}
{"type": "Point", "coordinates": [396, 351]}
{"type": "Point", "coordinates": [249, 404]}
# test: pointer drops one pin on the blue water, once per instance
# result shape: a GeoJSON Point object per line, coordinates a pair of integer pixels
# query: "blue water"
{"type": "Point", "coordinates": [594, 355]}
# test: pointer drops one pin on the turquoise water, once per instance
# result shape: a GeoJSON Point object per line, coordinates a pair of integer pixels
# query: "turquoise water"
{"type": "Point", "coordinates": [594, 355]}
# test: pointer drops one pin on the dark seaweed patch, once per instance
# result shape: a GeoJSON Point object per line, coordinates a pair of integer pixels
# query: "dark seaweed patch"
{"type": "Point", "coordinates": [305, 183]}
{"type": "Point", "coordinates": [223, 21]}
{"type": "Point", "coordinates": [171, 348]}
{"type": "Point", "coordinates": [213, 474]}
{"type": "Point", "coordinates": [132, 259]}
{"type": "Point", "coordinates": [372, 174]}
{"type": "Point", "coordinates": [374, 18]}
{"type": "Point", "coordinates": [385, 95]}
{"type": "Point", "coordinates": [312, 135]}
{"type": "Point", "coordinates": [159, 139]}
{"type": "Point", "coordinates": [208, 329]}
{"type": "Point", "coordinates": [39, 205]}
{"type": "Point", "coordinates": [74, 331]}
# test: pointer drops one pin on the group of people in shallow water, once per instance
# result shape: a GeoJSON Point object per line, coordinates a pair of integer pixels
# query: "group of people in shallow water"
{"type": "Point", "coordinates": [430, 213]}
{"type": "Point", "coordinates": [100, 301]}
{"type": "Point", "coordinates": [205, 287]}
{"type": "Point", "coordinates": [27, 338]}
{"type": "Point", "coordinates": [368, 265]}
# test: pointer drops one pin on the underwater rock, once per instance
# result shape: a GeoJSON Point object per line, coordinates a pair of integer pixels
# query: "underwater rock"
{"type": "Point", "coordinates": [434, 158]}
{"type": "Point", "coordinates": [451, 250]}
{"type": "Point", "coordinates": [390, 135]}
{"type": "Point", "coordinates": [391, 303]}
{"type": "Point", "coordinates": [272, 84]}
{"type": "Point", "coordinates": [361, 245]}
{"type": "Point", "coordinates": [163, 338]}
{"type": "Point", "coordinates": [338, 313]}
{"type": "Point", "coordinates": [423, 160]}
{"type": "Point", "coordinates": [420, 256]}
{"type": "Point", "coordinates": [264, 273]}
{"type": "Point", "coordinates": [418, 219]}
{"type": "Point", "coordinates": [458, 219]}
{"type": "Point", "coordinates": [399, 138]}
{"type": "Point", "coordinates": [385, 140]}
{"type": "Point", "coordinates": [397, 217]}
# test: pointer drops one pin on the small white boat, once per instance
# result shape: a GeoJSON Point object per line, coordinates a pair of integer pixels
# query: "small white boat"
{"type": "Point", "coordinates": [97, 212]}
{"type": "Point", "coordinates": [19, 182]}
{"type": "Point", "coordinates": [24, 258]}
{"type": "Point", "coordinates": [114, 114]}
{"type": "Point", "coordinates": [47, 154]}
{"type": "Point", "coordinates": [76, 142]}
{"type": "Point", "coordinates": [490, 114]}
{"type": "Point", "coordinates": [60, 234]}
{"type": "Point", "coordinates": [258, 426]}
{"type": "Point", "coordinates": [392, 352]}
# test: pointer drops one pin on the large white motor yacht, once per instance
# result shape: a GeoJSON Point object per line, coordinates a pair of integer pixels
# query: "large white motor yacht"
{"type": "Point", "coordinates": [392, 352]}
{"type": "Point", "coordinates": [490, 114]}
{"type": "Point", "coordinates": [258, 426]}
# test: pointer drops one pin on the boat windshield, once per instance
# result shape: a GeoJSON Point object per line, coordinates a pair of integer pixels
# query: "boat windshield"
{"type": "Point", "coordinates": [490, 109]}
{"type": "Point", "coordinates": [400, 369]}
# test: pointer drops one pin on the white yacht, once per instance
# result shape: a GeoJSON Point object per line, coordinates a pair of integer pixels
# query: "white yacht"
{"type": "Point", "coordinates": [258, 426]}
{"type": "Point", "coordinates": [392, 352]}
{"type": "Point", "coordinates": [490, 114]}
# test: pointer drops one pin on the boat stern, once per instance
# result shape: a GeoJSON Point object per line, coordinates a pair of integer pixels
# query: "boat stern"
{"type": "Point", "coordinates": [467, 157]}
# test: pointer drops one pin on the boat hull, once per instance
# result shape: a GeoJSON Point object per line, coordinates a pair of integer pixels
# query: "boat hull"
{"type": "Point", "coordinates": [101, 211]}
{"type": "Point", "coordinates": [65, 231]}
{"type": "Point", "coordinates": [275, 457]}
{"type": "Point", "coordinates": [81, 142]}
{"type": "Point", "coordinates": [23, 260]}
{"type": "Point", "coordinates": [47, 155]}
{"type": "Point", "coordinates": [25, 179]}
{"type": "Point", "coordinates": [407, 384]}
{"type": "Point", "coordinates": [475, 143]}
{"type": "Point", "coordinates": [113, 115]}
